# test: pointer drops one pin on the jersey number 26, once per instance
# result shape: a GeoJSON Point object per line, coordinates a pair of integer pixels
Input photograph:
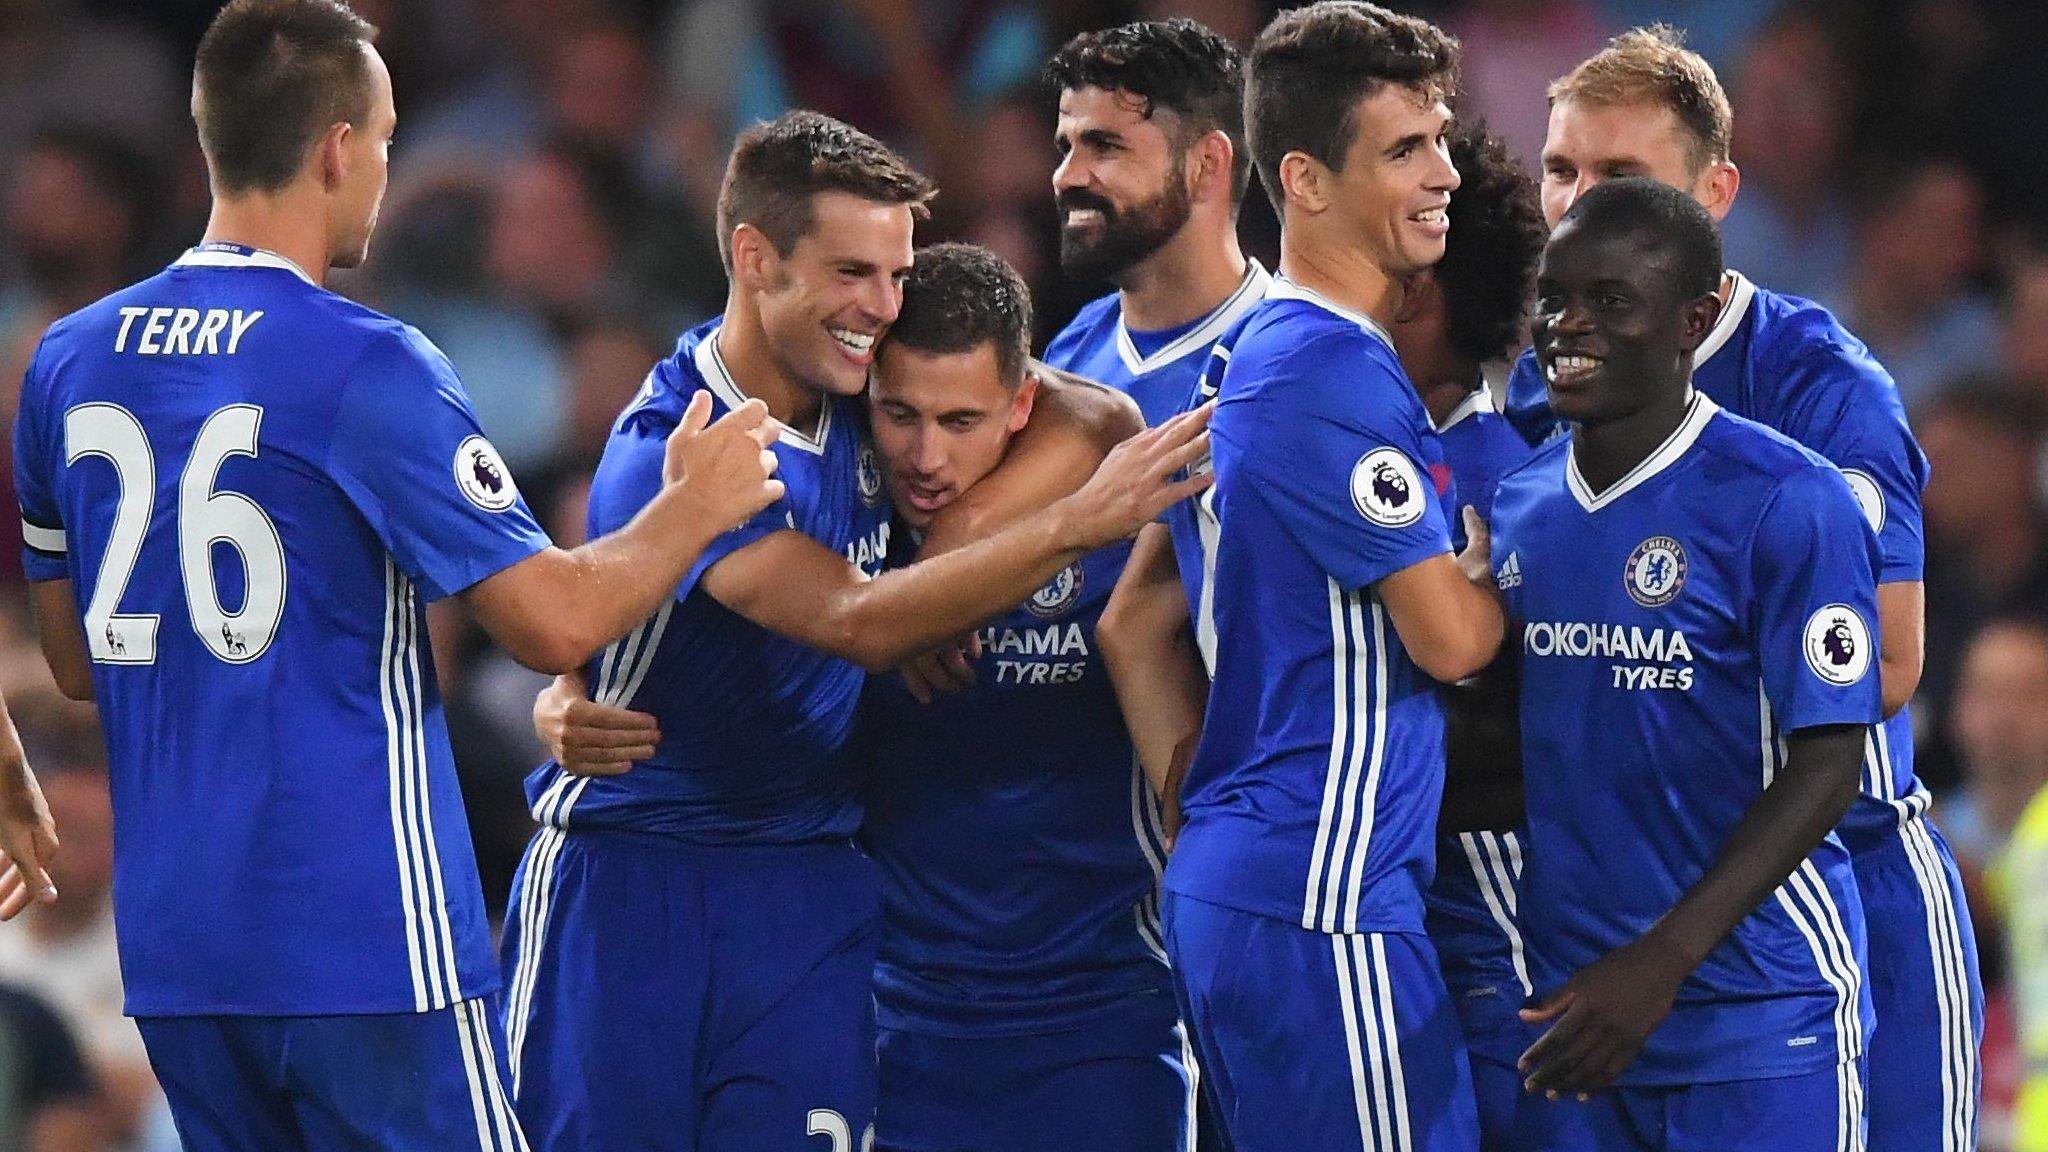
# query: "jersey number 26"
{"type": "Point", "coordinates": [205, 517]}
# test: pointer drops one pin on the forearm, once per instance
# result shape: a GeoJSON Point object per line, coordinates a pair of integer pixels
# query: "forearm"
{"type": "Point", "coordinates": [1802, 804]}
{"type": "Point", "coordinates": [556, 609]}
{"type": "Point", "coordinates": [1163, 692]}
{"type": "Point", "coordinates": [880, 623]}
{"type": "Point", "coordinates": [61, 635]}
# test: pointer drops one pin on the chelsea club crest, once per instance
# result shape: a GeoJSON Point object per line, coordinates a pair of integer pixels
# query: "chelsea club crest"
{"type": "Point", "coordinates": [868, 475]}
{"type": "Point", "coordinates": [1655, 572]}
{"type": "Point", "coordinates": [1057, 596]}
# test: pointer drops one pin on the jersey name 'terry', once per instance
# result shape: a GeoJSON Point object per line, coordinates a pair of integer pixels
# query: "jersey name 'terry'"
{"type": "Point", "coordinates": [185, 331]}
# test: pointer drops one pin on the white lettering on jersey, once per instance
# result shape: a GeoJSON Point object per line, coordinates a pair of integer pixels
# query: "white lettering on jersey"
{"type": "Point", "coordinates": [1655, 648]}
{"type": "Point", "coordinates": [868, 552]}
{"type": "Point", "coordinates": [185, 331]}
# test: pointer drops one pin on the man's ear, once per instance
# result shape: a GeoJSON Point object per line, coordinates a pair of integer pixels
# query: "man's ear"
{"type": "Point", "coordinates": [1304, 182]}
{"type": "Point", "coordinates": [1021, 403]}
{"type": "Point", "coordinates": [331, 153]}
{"type": "Point", "coordinates": [1699, 315]}
{"type": "Point", "coordinates": [1212, 157]}
{"type": "Point", "coordinates": [1717, 187]}
{"type": "Point", "coordinates": [754, 258]}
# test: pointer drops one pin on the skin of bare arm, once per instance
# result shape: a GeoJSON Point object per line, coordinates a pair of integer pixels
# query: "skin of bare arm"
{"type": "Point", "coordinates": [1902, 647]}
{"type": "Point", "coordinates": [1148, 645]}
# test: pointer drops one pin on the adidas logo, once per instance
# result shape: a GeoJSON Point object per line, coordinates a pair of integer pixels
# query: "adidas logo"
{"type": "Point", "coordinates": [1510, 574]}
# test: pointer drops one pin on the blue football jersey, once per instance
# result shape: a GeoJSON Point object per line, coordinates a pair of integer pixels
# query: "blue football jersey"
{"type": "Point", "coordinates": [1314, 795]}
{"type": "Point", "coordinates": [1473, 899]}
{"type": "Point", "coordinates": [255, 486]}
{"type": "Point", "coordinates": [1789, 364]}
{"type": "Point", "coordinates": [1019, 843]}
{"type": "Point", "coordinates": [1673, 629]}
{"type": "Point", "coordinates": [752, 722]}
{"type": "Point", "coordinates": [1095, 344]}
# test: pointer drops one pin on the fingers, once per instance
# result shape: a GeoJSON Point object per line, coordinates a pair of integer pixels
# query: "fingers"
{"type": "Point", "coordinates": [19, 888]}
{"type": "Point", "coordinates": [1555, 1063]}
{"type": "Point", "coordinates": [605, 718]}
{"type": "Point", "coordinates": [1188, 453]}
{"type": "Point", "coordinates": [696, 416]}
{"type": "Point", "coordinates": [1550, 1009]}
{"type": "Point", "coordinates": [750, 417]}
{"type": "Point", "coordinates": [1476, 531]}
{"type": "Point", "coordinates": [914, 682]}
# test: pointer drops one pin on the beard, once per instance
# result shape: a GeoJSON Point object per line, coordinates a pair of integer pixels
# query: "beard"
{"type": "Point", "coordinates": [1125, 236]}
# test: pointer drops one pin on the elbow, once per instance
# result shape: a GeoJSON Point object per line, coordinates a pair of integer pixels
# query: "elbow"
{"type": "Point", "coordinates": [555, 653]}
{"type": "Point", "coordinates": [868, 646]}
{"type": "Point", "coordinates": [74, 683]}
{"type": "Point", "coordinates": [1897, 681]}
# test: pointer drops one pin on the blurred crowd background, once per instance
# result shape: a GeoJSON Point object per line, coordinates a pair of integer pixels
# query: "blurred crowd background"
{"type": "Point", "coordinates": [549, 226]}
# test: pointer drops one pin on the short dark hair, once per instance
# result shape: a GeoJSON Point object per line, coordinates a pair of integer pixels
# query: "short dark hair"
{"type": "Point", "coordinates": [269, 78]}
{"type": "Point", "coordinates": [1311, 66]}
{"type": "Point", "coordinates": [1488, 273]}
{"type": "Point", "coordinates": [1178, 65]}
{"type": "Point", "coordinates": [1638, 203]}
{"type": "Point", "coordinates": [778, 166]}
{"type": "Point", "coordinates": [961, 296]}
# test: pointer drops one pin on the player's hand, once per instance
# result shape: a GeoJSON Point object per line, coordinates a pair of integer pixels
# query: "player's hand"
{"type": "Point", "coordinates": [1476, 561]}
{"type": "Point", "coordinates": [726, 468]}
{"type": "Point", "coordinates": [1136, 481]}
{"type": "Point", "coordinates": [1170, 815]}
{"type": "Point", "coordinates": [944, 670]}
{"type": "Point", "coordinates": [1602, 1016]}
{"type": "Point", "coordinates": [587, 738]}
{"type": "Point", "coordinates": [28, 840]}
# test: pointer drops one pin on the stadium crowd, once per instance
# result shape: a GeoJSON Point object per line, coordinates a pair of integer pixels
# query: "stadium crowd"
{"type": "Point", "coordinates": [549, 227]}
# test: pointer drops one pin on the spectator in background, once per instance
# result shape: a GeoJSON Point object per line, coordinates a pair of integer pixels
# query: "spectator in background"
{"type": "Point", "coordinates": [1999, 727]}
{"type": "Point", "coordinates": [79, 203]}
{"type": "Point", "coordinates": [1987, 547]}
{"type": "Point", "coordinates": [1512, 51]}
{"type": "Point", "coordinates": [1795, 229]}
{"type": "Point", "coordinates": [48, 1102]}
{"type": "Point", "coordinates": [1913, 294]}
{"type": "Point", "coordinates": [64, 952]}
{"type": "Point", "coordinates": [2026, 330]}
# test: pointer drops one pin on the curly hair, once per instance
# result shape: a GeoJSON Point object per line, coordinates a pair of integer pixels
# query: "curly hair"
{"type": "Point", "coordinates": [1311, 66]}
{"type": "Point", "coordinates": [778, 166]}
{"type": "Point", "coordinates": [961, 296]}
{"type": "Point", "coordinates": [1178, 65]}
{"type": "Point", "coordinates": [1488, 273]}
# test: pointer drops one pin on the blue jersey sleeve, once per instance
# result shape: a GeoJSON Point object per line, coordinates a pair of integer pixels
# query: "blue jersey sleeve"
{"type": "Point", "coordinates": [1814, 571]}
{"type": "Point", "coordinates": [1338, 455]}
{"type": "Point", "coordinates": [1844, 406]}
{"type": "Point", "coordinates": [1527, 403]}
{"type": "Point", "coordinates": [407, 450]}
{"type": "Point", "coordinates": [35, 481]}
{"type": "Point", "coordinates": [630, 475]}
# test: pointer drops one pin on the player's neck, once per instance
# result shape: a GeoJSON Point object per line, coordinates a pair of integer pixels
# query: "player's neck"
{"type": "Point", "coordinates": [1345, 275]}
{"type": "Point", "coordinates": [744, 347]}
{"type": "Point", "coordinates": [281, 224]}
{"type": "Point", "coordinates": [1608, 451]}
{"type": "Point", "coordinates": [1188, 278]}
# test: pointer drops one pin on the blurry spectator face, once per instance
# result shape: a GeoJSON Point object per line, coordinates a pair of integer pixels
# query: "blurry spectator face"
{"type": "Point", "coordinates": [2001, 717]}
{"type": "Point", "coordinates": [547, 243]}
{"type": "Point", "coordinates": [366, 171]}
{"type": "Point", "coordinates": [2026, 326]}
{"type": "Point", "coordinates": [1980, 472]}
{"type": "Point", "coordinates": [1792, 105]}
{"type": "Point", "coordinates": [1927, 239]}
{"type": "Point", "coordinates": [1121, 186]}
{"type": "Point", "coordinates": [607, 363]}
{"type": "Point", "coordinates": [941, 422]}
{"type": "Point", "coordinates": [602, 88]}
{"type": "Point", "coordinates": [1588, 143]}
{"type": "Point", "coordinates": [84, 816]}
{"type": "Point", "coordinates": [828, 302]}
{"type": "Point", "coordinates": [65, 221]}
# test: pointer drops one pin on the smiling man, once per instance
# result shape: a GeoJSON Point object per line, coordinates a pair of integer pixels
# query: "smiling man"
{"type": "Point", "coordinates": [1646, 106]}
{"type": "Point", "coordinates": [1330, 601]}
{"type": "Point", "coordinates": [707, 912]}
{"type": "Point", "coordinates": [1697, 602]}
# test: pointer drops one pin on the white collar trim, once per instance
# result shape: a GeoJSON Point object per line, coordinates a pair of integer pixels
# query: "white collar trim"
{"type": "Point", "coordinates": [1699, 410]}
{"type": "Point", "coordinates": [1740, 293]}
{"type": "Point", "coordinates": [254, 258]}
{"type": "Point", "coordinates": [1285, 289]}
{"type": "Point", "coordinates": [1250, 291]}
{"type": "Point", "coordinates": [717, 377]}
{"type": "Point", "coordinates": [1480, 400]}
